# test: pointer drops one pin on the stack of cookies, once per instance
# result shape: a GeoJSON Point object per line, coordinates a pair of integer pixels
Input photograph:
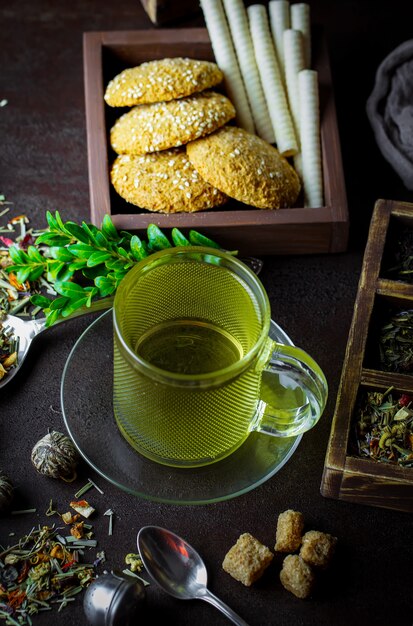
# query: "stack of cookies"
{"type": "Point", "coordinates": [176, 151]}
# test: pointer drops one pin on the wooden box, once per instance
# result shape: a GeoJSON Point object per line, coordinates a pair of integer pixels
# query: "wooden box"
{"type": "Point", "coordinates": [237, 226]}
{"type": "Point", "coordinates": [348, 475]}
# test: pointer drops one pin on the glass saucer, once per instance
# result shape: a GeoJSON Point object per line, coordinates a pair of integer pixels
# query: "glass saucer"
{"type": "Point", "coordinates": [86, 396]}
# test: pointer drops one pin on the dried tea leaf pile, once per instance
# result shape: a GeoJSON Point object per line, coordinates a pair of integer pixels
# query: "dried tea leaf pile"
{"type": "Point", "coordinates": [403, 268]}
{"type": "Point", "coordinates": [40, 572]}
{"type": "Point", "coordinates": [396, 343]}
{"type": "Point", "coordinates": [384, 427]}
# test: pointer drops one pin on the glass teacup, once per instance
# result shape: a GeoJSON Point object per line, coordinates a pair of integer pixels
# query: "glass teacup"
{"type": "Point", "coordinates": [191, 348]}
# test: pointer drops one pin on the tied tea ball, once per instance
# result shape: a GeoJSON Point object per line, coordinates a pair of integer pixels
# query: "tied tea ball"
{"type": "Point", "coordinates": [6, 491]}
{"type": "Point", "coordinates": [55, 456]}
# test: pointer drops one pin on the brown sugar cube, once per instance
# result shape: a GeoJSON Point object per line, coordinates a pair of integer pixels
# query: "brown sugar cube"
{"type": "Point", "coordinates": [297, 576]}
{"type": "Point", "coordinates": [317, 548]}
{"type": "Point", "coordinates": [247, 559]}
{"type": "Point", "coordinates": [290, 526]}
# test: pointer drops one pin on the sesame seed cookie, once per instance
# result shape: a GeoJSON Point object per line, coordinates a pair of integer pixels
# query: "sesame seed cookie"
{"type": "Point", "coordinates": [162, 80]}
{"type": "Point", "coordinates": [163, 125]}
{"type": "Point", "coordinates": [245, 167]}
{"type": "Point", "coordinates": [163, 181]}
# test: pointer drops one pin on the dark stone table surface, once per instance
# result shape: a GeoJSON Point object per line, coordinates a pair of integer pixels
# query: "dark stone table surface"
{"type": "Point", "coordinates": [43, 166]}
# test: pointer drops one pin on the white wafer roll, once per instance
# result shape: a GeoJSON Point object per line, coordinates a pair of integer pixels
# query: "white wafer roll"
{"type": "Point", "coordinates": [227, 61]}
{"type": "Point", "coordinates": [294, 63]}
{"type": "Point", "coordinates": [312, 171]}
{"type": "Point", "coordinates": [301, 20]}
{"type": "Point", "coordinates": [298, 166]}
{"type": "Point", "coordinates": [241, 37]}
{"type": "Point", "coordinates": [279, 11]}
{"type": "Point", "coordinates": [271, 80]}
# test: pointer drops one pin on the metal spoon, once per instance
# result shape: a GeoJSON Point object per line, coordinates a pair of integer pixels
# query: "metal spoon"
{"type": "Point", "coordinates": [178, 569]}
{"type": "Point", "coordinates": [27, 331]}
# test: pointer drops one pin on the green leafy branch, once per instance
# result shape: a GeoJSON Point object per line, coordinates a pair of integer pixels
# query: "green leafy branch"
{"type": "Point", "coordinates": [102, 256]}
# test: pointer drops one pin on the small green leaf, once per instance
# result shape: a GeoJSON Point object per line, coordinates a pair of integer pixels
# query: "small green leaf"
{"type": "Point", "coordinates": [81, 250]}
{"type": "Point", "coordinates": [69, 289]}
{"type": "Point", "coordinates": [59, 221]}
{"type": "Point", "coordinates": [53, 239]}
{"type": "Point", "coordinates": [51, 317]}
{"type": "Point", "coordinates": [92, 292]}
{"type": "Point", "coordinates": [197, 239]}
{"type": "Point", "coordinates": [37, 272]}
{"type": "Point", "coordinates": [23, 274]}
{"type": "Point", "coordinates": [101, 240]}
{"type": "Point", "coordinates": [122, 252]}
{"type": "Point", "coordinates": [157, 240]}
{"type": "Point", "coordinates": [109, 229]}
{"type": "Point", "coordinates": [97, 258]}
{"type": "Point", "coordinates": [125, 237]}
{"type": "Point", "coordinates": [77, 232]}
{"type": "Point", "coordinates": [106, 285]}
{"type": "Point", "coordinates": [178, 238]}
{"type": "Point", "coordinates": [73, 305]}
{"type": "Point", "coordinates": [16, 254]}
{"type": "Point", "coordinates": [34, 254]}
{"type": "Point", "coordinates": [53, 269]}
{"type": "Point", "coordinates": [120, 275]}
{"type": "Point", "coordinates": [90, 231]}
{"type": "Point", "coordinates": [64, 274]}
{"type": "Point", "coordinates": [13, 268]}
{"type": "Point", "coordinates": [51, 221]}
{"type": "Point", "coordinates": [78, 265]}
{"type": "Point", "coordinates": [115, 264]}
{"type": "Point", "coordinates": [38, 300]}
{"type": "Point", "coordinates": [138, 248]}
{"type": "Point", "coordinates": [61, 253]}
{"type": "Point", "coordinates": [59, 303]}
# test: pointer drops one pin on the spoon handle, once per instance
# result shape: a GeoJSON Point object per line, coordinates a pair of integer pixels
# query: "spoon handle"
{"type": "Point", "coordinates": [208, 596]}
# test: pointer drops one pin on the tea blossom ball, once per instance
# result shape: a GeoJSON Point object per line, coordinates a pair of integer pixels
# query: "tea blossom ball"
{"type": "Point", "coordinates": [55, 456]}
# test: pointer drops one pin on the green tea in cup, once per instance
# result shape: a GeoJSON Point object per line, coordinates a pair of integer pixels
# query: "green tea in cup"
{"type": "Point", "coordinates": [191, 347]}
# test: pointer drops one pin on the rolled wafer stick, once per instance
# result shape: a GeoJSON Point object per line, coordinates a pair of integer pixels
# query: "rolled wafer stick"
{"type": "Point", "coordinates": [271, 80]}
{"type": "Point", "coordinates": [300, 19]}
{"type": "Point", "coordinates": [294, 63]}
{"type": "Point", "coordinates": [312, 172]}
{"type": "Point", "coordinates": [298, 166]}
{"type": "Point", "coordinates": [279, 11]}
{"type": "Point", "coordinates": [227, 61]}
{"type": "Point", "coordinates": [241, 37]}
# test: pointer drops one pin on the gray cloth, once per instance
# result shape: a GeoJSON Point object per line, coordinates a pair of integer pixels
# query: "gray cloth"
{"type": "Point", "coordinates": [390, 110]}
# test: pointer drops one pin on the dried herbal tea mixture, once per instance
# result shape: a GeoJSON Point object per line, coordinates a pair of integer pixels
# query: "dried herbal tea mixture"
{"type": "Point", "coordinates": [396, 343]}
{"type": "Point", "coordinates": [43, 571]}
{"type": "Point", "coordinates": [15, 293]}
{"type": "Point", "coordinates": [403, 256]}
{"type": "Point", "coordinates": [9, 347]}
{"type": "Point", "coordinates": [384, 427]}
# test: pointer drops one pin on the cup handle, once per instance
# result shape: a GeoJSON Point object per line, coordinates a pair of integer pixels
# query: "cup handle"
{"type": "Point", "coordinates": [294, 365]}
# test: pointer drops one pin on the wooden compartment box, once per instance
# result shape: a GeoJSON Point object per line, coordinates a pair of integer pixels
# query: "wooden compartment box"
{"type": "Point", "coordinates": [236, 226]}
{"type": "Point", "coordinates": [383, 292]}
